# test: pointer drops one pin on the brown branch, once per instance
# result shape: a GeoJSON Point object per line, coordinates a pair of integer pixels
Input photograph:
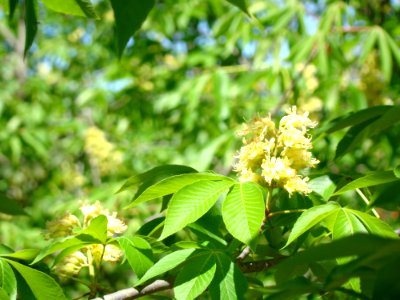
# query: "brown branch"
{"type": "Point", "coordinates": [258, 266]}
{"type": "Point", "coordinates": [132, 293]}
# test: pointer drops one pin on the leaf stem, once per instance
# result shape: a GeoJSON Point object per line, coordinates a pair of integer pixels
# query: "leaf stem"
{"type": "Point", "coordinates": [361, 194]}
{"type": "Point", "coordinates": [283, 212]}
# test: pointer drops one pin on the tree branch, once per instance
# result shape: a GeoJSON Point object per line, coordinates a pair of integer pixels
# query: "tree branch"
{"type": "Point", "coordinates": [132, 293]}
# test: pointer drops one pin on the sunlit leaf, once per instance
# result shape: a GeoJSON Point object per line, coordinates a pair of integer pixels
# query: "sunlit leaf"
{"type": "Point", "coordinates": [97, 229]}
{"type": "Point", "coordinates": [42, 285]}
{"type": "Point", "coordinates": [229, 283]}
{"type": "Point", "coordinates": [371, 179]}
{"type": "Point", "coordinates": [374, 225]}
{"type": "Point", "coordinates": [166, 264]}
{"type": "Point", "coordinates": [82, 8]}
{"type": "Point", "coordinates": [243, 211]}
{"type": "Point", "coordinates": [192, 202]}
{"type": "Point", "coordinates": [138, 253]}
{"type": "Point", "coordinates": [173, 184]}
{"type": "Point", "coordinates": [8, 282]}
{"type": "Point", "coordinates": [195, 277]}
{"type": "Point", "coordinates": [310, 218]}
{"type": "Point", "coordinates": [323, 186]}
{"type": "Point", "coordinates": [153, 176]}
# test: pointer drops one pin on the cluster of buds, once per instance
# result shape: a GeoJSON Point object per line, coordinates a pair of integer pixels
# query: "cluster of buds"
{"type": "Point", "coordinates": [101, 152]}
{"type": "Point", "coordinates": [306, 98]}
{"type": "Point", "coordinates": [70, 224]}
{"type": "Point", "coordinates": [274, 156]}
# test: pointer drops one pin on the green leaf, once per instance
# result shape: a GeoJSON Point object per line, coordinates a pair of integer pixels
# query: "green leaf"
{"type": "Point", "coordinates": [195, 277]}
{"type": "Point", "coordinates": [173, 184]}
{"type": "Point", "coordinates": [393, 46]}
{"type": "Point", "coordinates": [153, 176]}
{"type": "Point", "coordinates": [357, 244]}
{"type": "Point", "coordinates": [12, 5]}
{"type": "Point", "coordinates": [4, 295]}
{"type": "Point", "coordinates": [374, 225]}
{"type": "Point", "coordinates": [228, 283]}
{"type": "Point", "coordinates": [385, 55]}
{"type": "Point", "coordinates": [323, 186]}
{"type": "Point", "coordinates": [138, 253]}
{"type": "Point", "coordinates": [310, 218]}
{"type": "Point", "coordinates": [97, 229]}
{"type": "Point", "coordinates": [346, 223]}
{"type": "Point", "coordinates": [82, 8]}
{"type": "Point", "coordinates": [355, 118]}
{"type": "Point", "coordinates": [42, 285]}
{"type": "Point", "coordinates": [396, 171]}
{"type": "Point", "coordinates": [8, 282]}
{"type": "Point", "coordinates": [352, 139]}
{"type": "Point", "coordinates": [243, 211]}
{"type": "Point", "coordinates": [87, 7]}
{"type": "Point", "coordinates": [166, 264]}
{"type": "Point", "coordinates": [82, 239]}
{"type": "Point", "coordinates": [129, 16]}
{"type": "Point", "coordinates": [24, 254]}
{"type": "Point", "coordinates": [30, 23]}
{"type": "Point", "coordinates": [9, 206]}
{"type": "Point", "coordinates": [241, 4]}
{"type": "Point", "coordinates": [191, 202]}
{"type": "Point", "coordinates": [371, 179]}
{"type": "Point", "coordinates": [369, 44]}
{"type": "Point", "coordinates": [387, 120]}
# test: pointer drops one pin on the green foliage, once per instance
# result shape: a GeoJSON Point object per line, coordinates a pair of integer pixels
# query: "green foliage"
{"type": "Point", "coordinates": [79, 118]}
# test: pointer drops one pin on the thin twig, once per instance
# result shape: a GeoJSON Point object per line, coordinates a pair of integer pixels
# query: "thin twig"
{"type": "Point", "coordinates": [361, 194]}
{"type": "Point", "coordinates": [132, 293]}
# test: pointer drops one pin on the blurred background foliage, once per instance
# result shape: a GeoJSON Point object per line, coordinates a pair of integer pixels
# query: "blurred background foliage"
{"type": "Point", "coordinates": [76, 121]}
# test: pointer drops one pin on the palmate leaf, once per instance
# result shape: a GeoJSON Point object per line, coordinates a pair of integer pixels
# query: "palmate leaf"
{"type": "Point", "coordinates": [357, 244]}
{"type": "Point", "coordinates": [243, 211]}
{"type": "Point", "coordinates": [192, 202]}
{"type": "Point", "coordinates": [195, 276]}
{"type": "Point", "coordinates": [138, 253]}
{"type": "Point", "coordinates": [8, 282]}
{"type": "Point", "coordinates": [171, 185]}
{"type": "Point", "coordinates": [341, 222]}
{"type": "Point", "coordinates": [42, 285]}
{"type": "Point", "coordinates": [82, 8]}
{"type": "Point", "coordinates": [371, 179]}
{"type": "Point", "coordinates": [310, 218]}
{"type": "Point", "coordinates": [166, 264]}
{"type": "Point", "coordinates": [129, 16]}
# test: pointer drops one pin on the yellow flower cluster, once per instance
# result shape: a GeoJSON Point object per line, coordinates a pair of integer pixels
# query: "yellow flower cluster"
{"type": "Point", "coordinates": [71, 265]}
{"type": "Point", "coordinates": [273, 156]}
{"type": "Point", "coordinates": [306, 99]}
{"type": "Point", "coordinates": [101, 152]}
